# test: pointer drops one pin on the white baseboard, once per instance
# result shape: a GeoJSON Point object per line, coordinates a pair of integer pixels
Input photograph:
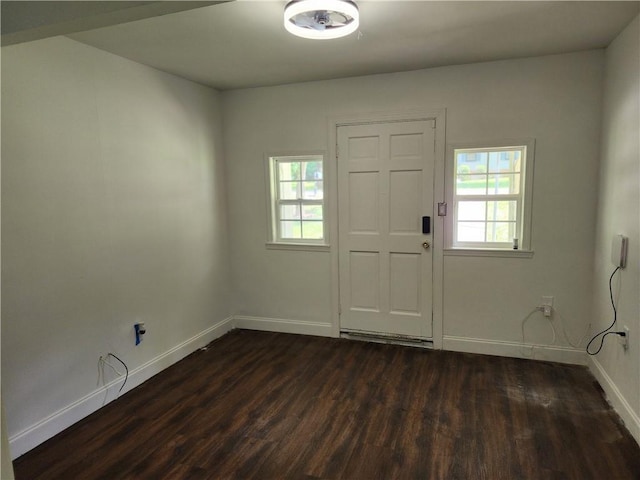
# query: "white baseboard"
{"type": "Point", "coordinates": [33, 436]}
{"type": "Point", "coordinates": [616, 399]}
{"type": "Point", "coordinates": [513, 349]}
{"type": "Point", "coordinates": [283, 325]}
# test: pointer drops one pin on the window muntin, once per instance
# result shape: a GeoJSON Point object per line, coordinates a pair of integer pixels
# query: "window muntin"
{"type": "Point", "coordinates": [297, 195]}
{"type": "Point", "coordinates": [488, 196]}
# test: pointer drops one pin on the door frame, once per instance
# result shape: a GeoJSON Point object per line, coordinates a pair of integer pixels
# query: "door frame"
{"type": "Point", "coordinates": [438, 224]}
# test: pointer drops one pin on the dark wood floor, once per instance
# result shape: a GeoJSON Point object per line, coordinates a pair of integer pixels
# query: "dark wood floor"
{"type": "Point", "coordinates": [267, 405]}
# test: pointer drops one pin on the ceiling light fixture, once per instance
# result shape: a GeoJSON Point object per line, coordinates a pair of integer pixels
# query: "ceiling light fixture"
{"type": "Point", "coordinates": [321, 19]}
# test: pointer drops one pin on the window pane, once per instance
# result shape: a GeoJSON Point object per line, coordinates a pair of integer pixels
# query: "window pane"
{"type": "Point", "coordinates": [472, 210]}
{"type": "Point", "coordinates": [506, 210]}
{"type": "Point", "coordinates": [467, 163]}
{"type": "Point", "coordinates": [501, 231]}
{"type": "Point", "coordinates": [289, 170]}
{"type": "Point", "coordinates": [462, 163]}
{"type": "Point", "coordinates": [504, 184]}
{"type": "Point", "coordinates": [312, 190]}
{"type": "Point", "coordinates": [289, 212]}
{"type": "Point", "coordinates": [289, 190]}
{"type": "Point", "coordinates": [506, 161]}
{"type": "Point", "coordinates": [312, 170]}
{"type": "Point", "coordinates": [312, 230]}
{"type": "Point", "coordinates": [312, 212]}
{"type": "Point", "coordinates": [289, 229]}
{"type": "Point", "coordinates": [517, 161]}
{"type": "Point", "coordinates": [471, 231]}
{"type": "Point", "coordinates": [471, 185]}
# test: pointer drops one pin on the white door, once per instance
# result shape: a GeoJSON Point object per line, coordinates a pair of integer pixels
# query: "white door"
{"type": "Point", "coordinates": [385, 187]}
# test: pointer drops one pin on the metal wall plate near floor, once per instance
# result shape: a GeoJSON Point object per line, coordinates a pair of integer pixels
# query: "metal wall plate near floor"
{"type": "Point", "coordinates": [384, 338]}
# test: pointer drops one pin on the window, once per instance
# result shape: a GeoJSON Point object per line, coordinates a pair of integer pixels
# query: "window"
{"type": "Point", "coordinates": [297, 199]}
{"type": "Point", "coordinates": [491, 196]}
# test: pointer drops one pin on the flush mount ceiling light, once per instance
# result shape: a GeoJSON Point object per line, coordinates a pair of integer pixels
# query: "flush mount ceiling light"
{"type": "Point", "coordinates": [321, 19]}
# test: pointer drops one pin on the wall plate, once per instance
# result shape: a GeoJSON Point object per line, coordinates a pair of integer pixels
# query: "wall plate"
{"type": "Point", "coordinates": [619, 251]}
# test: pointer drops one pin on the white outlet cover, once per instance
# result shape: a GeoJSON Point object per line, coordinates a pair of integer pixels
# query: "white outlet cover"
{"type": "Point", "coordinates": [624, 341]}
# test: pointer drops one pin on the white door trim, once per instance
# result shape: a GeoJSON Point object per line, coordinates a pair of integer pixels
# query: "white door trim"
{"type": "Point", "coordinates": [439, 115]}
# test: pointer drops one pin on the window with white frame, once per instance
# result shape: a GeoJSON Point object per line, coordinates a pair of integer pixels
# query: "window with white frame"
{"type": "Point", "coordinates": [491, 196]}
{"type": "Point", "coordinates": [297, 199]}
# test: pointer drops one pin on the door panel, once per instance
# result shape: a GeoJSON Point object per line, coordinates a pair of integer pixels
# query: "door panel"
{"type": "Point", "coordinates": [385, 186]}
{"type": "Point", "coordinates": [364, 194]}
{"type": "Point", "coordinates": [364, 149]}
{"type": "Point", "coordinates": [365, 269]}
{"type": "Point", "coordinates": [404, 268]}
{"type": "Point", "coordinates": [405, 201]}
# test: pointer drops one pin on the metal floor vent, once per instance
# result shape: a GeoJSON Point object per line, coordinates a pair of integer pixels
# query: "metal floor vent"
{"type": "Point", "coordinates": [390, 339]}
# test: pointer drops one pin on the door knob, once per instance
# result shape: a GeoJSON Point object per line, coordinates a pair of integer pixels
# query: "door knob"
{"type": "Point", "coordinates": [426, 245]}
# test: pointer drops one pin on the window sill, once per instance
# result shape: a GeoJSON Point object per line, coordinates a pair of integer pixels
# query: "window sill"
{"type": "Point", "coordinates": [487, 252]}
{"type": "Point", "coordinates": [301, 247]}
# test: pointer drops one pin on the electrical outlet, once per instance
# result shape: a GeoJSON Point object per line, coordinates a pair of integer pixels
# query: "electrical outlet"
{"type": "Point", "coordinates": [624, 341]}
{"type": "Point", "coordinates": [547, 305]}
{"type": "Point", "coordinates": [140, 330]}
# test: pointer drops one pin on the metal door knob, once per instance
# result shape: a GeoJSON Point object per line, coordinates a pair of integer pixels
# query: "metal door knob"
{"type": "Point", "coordinates": [426, 245]}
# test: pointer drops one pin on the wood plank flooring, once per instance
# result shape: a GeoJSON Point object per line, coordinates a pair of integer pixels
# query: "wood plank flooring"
{"type": "Point", "coordinates": [260, 405]}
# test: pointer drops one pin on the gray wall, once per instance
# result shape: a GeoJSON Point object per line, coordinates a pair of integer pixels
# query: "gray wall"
{"type": "Point", "coordinates": [619, 213]}
{"type": "Point", "coordinates": [113, 212]}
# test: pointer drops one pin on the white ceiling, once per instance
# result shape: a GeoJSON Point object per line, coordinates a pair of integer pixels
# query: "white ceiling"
{"type": "Point", "coordinates": [244, 43]}
{"type": "Point", "coordinates": [26, 21]}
